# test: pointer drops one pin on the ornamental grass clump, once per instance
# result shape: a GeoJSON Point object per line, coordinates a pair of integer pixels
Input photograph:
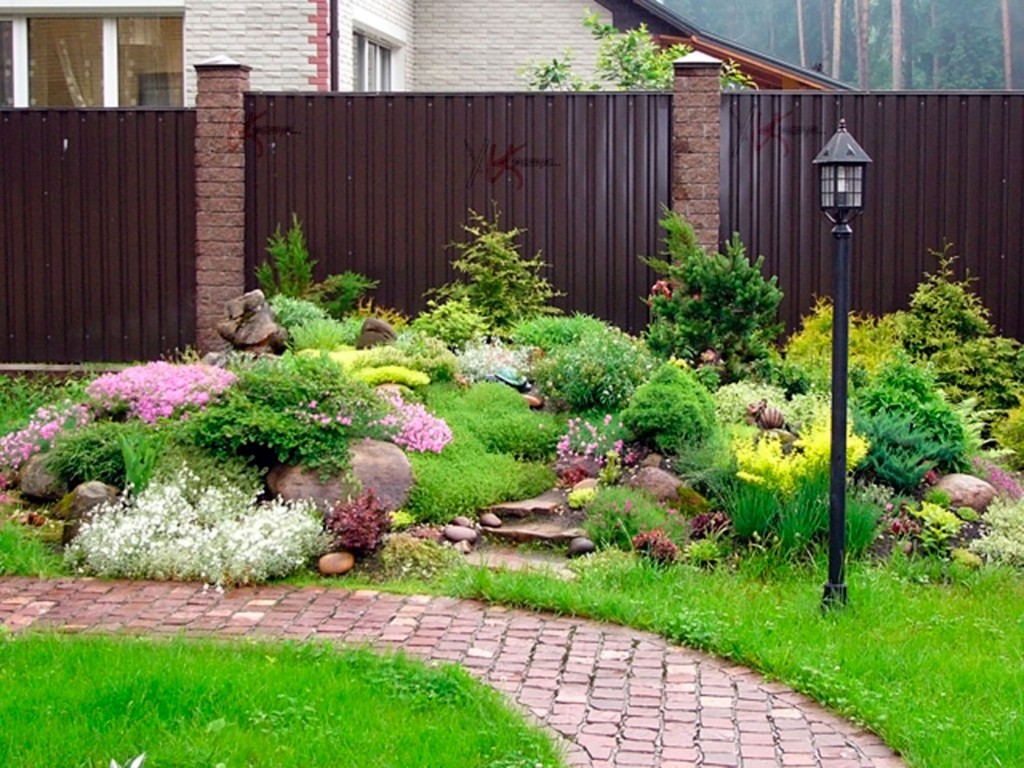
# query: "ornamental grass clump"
{"type": "Point", "coordinates": [158, 390]}
{"type": "Point", "coordinates": [180, 529]}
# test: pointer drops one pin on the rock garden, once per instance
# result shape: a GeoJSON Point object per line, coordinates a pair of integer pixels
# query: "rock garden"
{"type": "Point", "coordinates": [342, 440]}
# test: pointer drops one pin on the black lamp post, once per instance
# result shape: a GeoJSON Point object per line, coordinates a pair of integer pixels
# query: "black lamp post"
{"type": "Point", "coordinates": [842, 164]}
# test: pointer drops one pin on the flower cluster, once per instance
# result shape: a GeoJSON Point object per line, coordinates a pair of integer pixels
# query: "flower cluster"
{"type": "Point", "coordinates": [1004, 483]}
{"type": "Point", "coordinates": [591, 440]}
{"type": "Point", "coordinates": [310, 413]}
{"type": "Point", "coordinates": [181, 530]}
{"type": "Point", "coordinates": [413, 426]}
{"type": "Point", "coordinates": [36, 437]}
{"type": "Point", "coordinates": [159, 390]}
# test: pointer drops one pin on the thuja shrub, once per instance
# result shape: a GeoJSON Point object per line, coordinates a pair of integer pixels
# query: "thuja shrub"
{"type": "Point", "coordinates": [158, 390]}
{"type": "Point", "coordinates": [181, 530]}
{"type": "Point", "coordinates": [358, 524]}
{"type": "Point", "coordinates": [711, 307]}
{"type": "Point", "coordinates": [599, 372]}
{"type": "Point", "coordinates": [495, 279]}
{"type": "Point", "coordinates": [292, 410]}
{"type": "Point", "coordinates": [672, 410]}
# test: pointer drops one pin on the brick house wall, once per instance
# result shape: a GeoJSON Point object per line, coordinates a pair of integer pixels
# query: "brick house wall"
{"type": "Point", "coordinates": [473, 45]}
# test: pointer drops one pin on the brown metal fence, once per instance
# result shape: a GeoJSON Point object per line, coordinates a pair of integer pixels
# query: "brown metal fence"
{"type": "Point", "coordinates": [383, 183]}
{"type": "Point", "coordinates": [97, 231]}
{"type": "Point", "coordinates": [947, 168]}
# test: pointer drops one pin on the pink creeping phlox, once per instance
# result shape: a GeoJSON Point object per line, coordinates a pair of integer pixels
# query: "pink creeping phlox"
{"type": "Point", "coordinates": [591, 440]}
{"type": "Point", "coordinates": [1004, 483]}
{"type": "Point", "coordinates": [414, 427]}
{"type": "Point", "coordinates": [159, 390]}
{"type": "Point", "coordinates": [45, 425]}
{"type": "Point", "coordinates": [307, 413]}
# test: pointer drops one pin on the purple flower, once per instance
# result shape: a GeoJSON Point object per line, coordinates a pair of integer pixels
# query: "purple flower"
{"type": "Point", "coordinates": [158, 390]}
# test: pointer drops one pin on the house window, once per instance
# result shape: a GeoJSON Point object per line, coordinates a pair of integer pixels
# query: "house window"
{"type": "Point", "coordinates": [68, 61]}
{"type": "Point", "coordinates": [149, 62]}
{"type": "Point", "coordinates": [6, 65]}
{"type": "Point", "coordinates": [372, 64]}
{"type": "Point", "coordinates": [65, 66]}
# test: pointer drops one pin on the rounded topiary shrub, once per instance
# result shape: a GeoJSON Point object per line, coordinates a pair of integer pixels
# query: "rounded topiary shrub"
{"type": "Point", "coordinates": [672, 410]}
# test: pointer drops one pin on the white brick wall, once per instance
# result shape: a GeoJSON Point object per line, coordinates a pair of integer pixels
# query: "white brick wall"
{"type": "Point", "coordinates": [483, 44]}
{"type": "Point", "coordinates": [271, 36]}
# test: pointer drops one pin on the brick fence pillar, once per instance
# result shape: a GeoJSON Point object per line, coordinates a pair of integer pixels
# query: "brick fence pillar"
{"type": "Point", "coordinates": [220, 193]}
{"type": "Point", "coordinates": [696, 107]}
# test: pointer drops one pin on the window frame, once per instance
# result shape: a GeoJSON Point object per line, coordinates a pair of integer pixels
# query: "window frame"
{"type": "Point", "coordinates": [109, 11]}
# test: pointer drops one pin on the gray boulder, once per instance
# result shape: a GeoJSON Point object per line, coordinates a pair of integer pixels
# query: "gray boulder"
{"type": "Point", "coordinates": [38, 483]}
{"type": "Point", "coordinates": [251, 325]}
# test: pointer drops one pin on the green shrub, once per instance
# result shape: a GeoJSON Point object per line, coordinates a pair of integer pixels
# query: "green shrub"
{"type": "Point", "coordinates": [547, 333]}
{"type": "Point", "coordinates": [873, 343]}
{"type": "Point", "coordinates": [715, 309]}
{"type": "Point", "coordinates": [671, 409]}
{"type": "Point", "coordinates": [499, 418]}
{"type": "Point", "coordinates": [498, 282]}
{"type": "Point", "coordinates": [292, 312]}
{"type": "Point", "coordinates": [599, 372]}
{"type": "Point", "coordinates": [94, 452]}
{"type": "Point", "coordinates": [1010, 433]}
{"type": "Point", "coordinates": [1004, 542]}
{"type": "Point", "coordinates": [407, 557]}
{"type": "Point", "coordinates": [323, 335]}
{"type": "Point", "coordinates": [455, 322]}
{"type": "Point", "coordinates": [617, 514]}
{"type": "Point", "coordinates": [391, 374]}
{"type": "Point", "coordinates": [465, 478]}
{"type": "Point", "coordinates": [939, 527]}
{"type": "Point", "coordinates": [339, 294]}
{"type": "Point", "coordinates": [412, 349]}
{"type": "Point", "coordinates": [910, 427]}
{"type": "Point", "coordinates": [948, 326]}
{"type": "Point", "coordinates": [292, 410]}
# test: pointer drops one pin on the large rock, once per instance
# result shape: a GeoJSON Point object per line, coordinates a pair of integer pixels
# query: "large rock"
{"type": "Point", "coordinates": [78, 506]}
{"type": "Point", "coordinates": [251, 325]}
{"type": "Point", "coordinates": [967, 491]}
{"type": "Point", "coordinates": [38, 483]}
{"type": "Point", "coordinates": [376, 465]}
{"type": "Point", "coordinates": [374, 332]}
{"type": "Point", "coordinates": [661, 484]}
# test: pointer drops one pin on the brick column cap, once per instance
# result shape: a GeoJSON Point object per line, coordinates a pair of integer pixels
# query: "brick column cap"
{"type": "Point", "coordinates": [696, 60]}
{"type": "Point", "coordinates": [222, 62]}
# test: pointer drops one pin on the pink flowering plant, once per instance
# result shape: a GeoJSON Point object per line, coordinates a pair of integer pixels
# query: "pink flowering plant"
{"type": "Point", "coordinates": [36, 437]}
{"type": "Point", "coordinates": [159, 390]}
{"type": "Point", "coordinates": [588, 440]}
{"type": "Point", "coordinates": [413, 427]}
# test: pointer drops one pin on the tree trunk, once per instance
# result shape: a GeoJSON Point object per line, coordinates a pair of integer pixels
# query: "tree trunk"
{"type": "Point", "coordinates": [837, 38]}
{"type": "Point", "coordinates": [1007, 45]}
{"type": "Point", "coordinates": [863, 33]}
{"type": "Point", "coordinates": [897, 45]}
{"type": "Point", "coordinates": [801, 37]}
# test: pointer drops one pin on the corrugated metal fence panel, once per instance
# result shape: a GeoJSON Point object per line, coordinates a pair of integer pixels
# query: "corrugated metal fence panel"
{"type": "Point", "coordinates": [97, 234]}
{"type": "Point", "coordinates": [947, 168]}
{"type": "Point", "coordinates": [383, 183]}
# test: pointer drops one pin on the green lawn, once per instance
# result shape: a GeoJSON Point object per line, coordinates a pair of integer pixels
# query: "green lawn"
{"type": "Point", "coordinates": [75, 701]}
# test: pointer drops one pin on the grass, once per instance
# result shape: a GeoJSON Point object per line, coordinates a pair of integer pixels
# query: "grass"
{"type": "Point", "coordinates": [935, 668]}
{"type": "Point", "coordinates": [23, 553]}
{"type": "Point", "coordinates": [82, 701]}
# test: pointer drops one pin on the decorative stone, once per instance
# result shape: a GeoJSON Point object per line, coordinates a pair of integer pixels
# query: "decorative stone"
{"type": "Point", "coordinates": [251, 325]}
{"type": "Point", "coordinates": [336, 563]}
{"type": "Point", "coordinates": [661, 484]}
{"type": "Point", "coordinates": [587, 484]}
{"type": "Point", "coordinates": [374, 333]}
{"type": "Point", "coordinates": [464, 547]}
{"type": "Point", "coordinates": [967, 491]}
{"type": "Point", "coordinates": [463, 521]}
{"type": "Point", "coordinates": [39, 483]}
{"type": "Point", "coordinates": [581, 545]}
{"type": "Point", "coordinates": [381, 466]}
{"type": "Point", "coordinates": [82, 499]}
{"type": "Point", "coordinates": [534, 401]}
{"type": "Point", "coordinates": [652, 460]}
{"type": "Point", "coordinates": [490, 520]}
{"type": "Point", "coordinates": [457, 533]}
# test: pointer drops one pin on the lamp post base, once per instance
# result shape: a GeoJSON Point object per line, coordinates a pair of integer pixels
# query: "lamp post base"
{"type": "Point", "coordinates": [835, 596]}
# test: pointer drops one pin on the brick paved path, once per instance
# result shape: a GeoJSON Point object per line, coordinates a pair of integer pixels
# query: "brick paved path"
{"type": "Point", "coordinates": [619, 697]}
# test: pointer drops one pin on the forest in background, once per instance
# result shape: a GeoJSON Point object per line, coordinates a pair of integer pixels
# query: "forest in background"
{"type": "Point", "coordinates": [879, 44]}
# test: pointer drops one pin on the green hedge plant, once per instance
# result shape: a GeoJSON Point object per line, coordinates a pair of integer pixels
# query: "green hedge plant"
{"type": "Point", "coordinates": [672, 410]}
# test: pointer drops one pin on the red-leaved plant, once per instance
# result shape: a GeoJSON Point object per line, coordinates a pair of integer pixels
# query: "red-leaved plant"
{"type": "Point", "coordinates": [656, 545]}
{"type": "Point", "coordinates": [358, 524]}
